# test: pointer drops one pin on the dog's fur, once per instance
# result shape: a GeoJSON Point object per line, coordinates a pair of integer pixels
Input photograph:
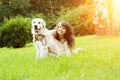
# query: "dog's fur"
{"type": "Point", "coordinates": [43, 39]}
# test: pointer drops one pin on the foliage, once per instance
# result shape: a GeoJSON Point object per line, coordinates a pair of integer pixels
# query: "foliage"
{"type": "Point", "coordinates": [14, 7]}
{"type": "Point", "coordinates": [15, 32]}
{"type": "Point", "coordinates": [5, 8]}
{"type": "Point", "coordinates": [46, 7]}
{"type": "Point", "coordinates": [53, 6]}
{"type": "Point", "coordinates": [20, 7]}
{"type": "Point", "coordinates": [80, 18]}
{"type": "Point", "coordinates": [72, 3]}
{"type": "Point", "coordinates": [1, 15]}
{"type": "Point", "coordinates": [51, 22]}
{"type": "Point", "coordinates": [99, 60]}
{"type": "Point", "coordinates": [37, 15]}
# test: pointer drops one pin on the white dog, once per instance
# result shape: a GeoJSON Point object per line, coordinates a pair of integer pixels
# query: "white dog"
{"type": "Point", "coordinates": [43, 39]}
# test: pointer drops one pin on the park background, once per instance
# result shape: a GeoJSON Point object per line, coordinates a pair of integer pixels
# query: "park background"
{"type": "Point", "coordinates": [99, 60]}
{"type": "Point", "coordinates": [16, 16]}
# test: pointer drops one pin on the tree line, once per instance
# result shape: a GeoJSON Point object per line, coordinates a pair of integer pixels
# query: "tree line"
{"type": "Point", "coordinates": [11, 8]}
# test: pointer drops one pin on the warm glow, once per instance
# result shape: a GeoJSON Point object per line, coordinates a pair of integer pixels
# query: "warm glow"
{"type": "Point", "coordinates": [117, 1]}
{"type": "Point", "coordinates": [116, 4]}
{"type": "Point", "coordinates": [112, 9]}
{"type": "Point", "coordinates": [116, 9]}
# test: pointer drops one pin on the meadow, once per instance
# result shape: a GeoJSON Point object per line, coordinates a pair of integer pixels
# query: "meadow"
{"type": "Point", "coordinates": [99, 60]}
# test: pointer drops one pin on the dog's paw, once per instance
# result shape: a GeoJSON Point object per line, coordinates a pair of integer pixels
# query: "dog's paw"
{"type": "Point", "coordinates": [78, 50]}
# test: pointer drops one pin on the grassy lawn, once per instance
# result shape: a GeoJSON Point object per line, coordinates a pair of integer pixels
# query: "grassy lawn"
{"type": "Point", "coordinates": [99, 60]}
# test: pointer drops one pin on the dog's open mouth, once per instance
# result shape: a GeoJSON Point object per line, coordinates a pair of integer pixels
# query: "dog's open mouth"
{"type": "Point", "coordinates": [37, 30]}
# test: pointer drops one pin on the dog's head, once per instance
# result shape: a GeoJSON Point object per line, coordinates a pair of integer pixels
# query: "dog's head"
{"type": "Point", "coordinates": [38, 24]}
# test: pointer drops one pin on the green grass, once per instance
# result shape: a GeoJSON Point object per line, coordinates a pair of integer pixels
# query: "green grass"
{"type": "Point", "coordinates": [99, 60]}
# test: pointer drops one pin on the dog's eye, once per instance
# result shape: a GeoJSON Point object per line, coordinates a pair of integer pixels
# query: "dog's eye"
{"type": "Point", "coordinates": [38, 22]}
{"type": "Point", "coordinates": [33, 22]}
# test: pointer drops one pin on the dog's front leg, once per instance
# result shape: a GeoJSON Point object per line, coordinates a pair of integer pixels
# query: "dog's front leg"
{"type": "Point", "coordinates": [43, 51]}
{"type": "Point", "coordinates": [37, 50]}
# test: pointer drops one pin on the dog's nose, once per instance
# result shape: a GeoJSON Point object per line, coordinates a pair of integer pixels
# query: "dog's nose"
{"type": "Point", "coordinates": [35, 26]}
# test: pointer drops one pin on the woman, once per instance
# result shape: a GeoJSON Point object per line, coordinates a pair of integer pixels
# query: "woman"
{"type": "Point", "coordinates": [64, 34]}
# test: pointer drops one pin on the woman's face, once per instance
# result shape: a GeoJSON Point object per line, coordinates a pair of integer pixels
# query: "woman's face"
{"type": "Point", "coordinates": [61, 29]}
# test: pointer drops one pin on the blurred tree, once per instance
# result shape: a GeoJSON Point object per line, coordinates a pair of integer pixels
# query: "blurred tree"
{"type": "Point", "coordinates": [44, 6]}
{"type": "Point", "coordinates": [6, 11]}
{"type": "Point", "coordinates": [72, 3]}
{"type": "Point", "coordinates": [10, 8]}
{"type": "Point", "coordinates": [20, 7]}
{"type": "Point", "coordinates": [0, 2]}
{"type": "Point", "coordinates": [53, 6]}
{"type": "Point", "coordinates": [1, 14]}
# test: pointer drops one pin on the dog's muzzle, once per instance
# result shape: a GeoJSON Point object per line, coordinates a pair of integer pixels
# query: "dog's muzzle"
{"type": "Point", "coordinates": [36, 28]}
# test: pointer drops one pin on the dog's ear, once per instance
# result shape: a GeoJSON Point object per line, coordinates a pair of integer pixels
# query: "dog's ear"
{"type": "Point", "coordinates": [32, 31]}
{"type": "Point", "coordinates": [44, 24]}
{"type": "Point", "coordinates": [32, 22]}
